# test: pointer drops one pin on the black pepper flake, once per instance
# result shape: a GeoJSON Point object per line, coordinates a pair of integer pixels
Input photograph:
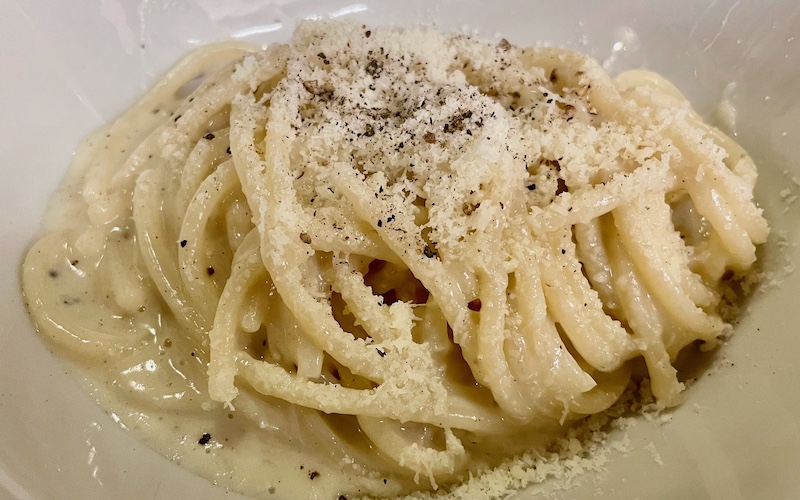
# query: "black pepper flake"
{"type": "Point", "coordinates": [369, 131]}
{"type": "Point", "coordinates": [322, 56]}
{"type": "Point", "coordinates": [73, 263]}
{"type": "Point", "coordinates": [429, 252]}
{"type": "Point", "coordinates": [374, 68]}
{"type": "Point", "coordinates": [208, 136]}
{"type": "Point", "coordinates": [368, 33]}
{"type": "Point", "coordinates": [313, 474]}
{"type": "Point", "coordinates": [554, 163]}
{"type": "Point", "coordinates": [210, 271]}
{"type": "Point", "coordinates": [324, 91]}
{"type": "Point", "coordinates": [382, 353]}
{"type": "Point", "coordinates": [305, 238]}
{"type": "Point", "coordinates": [531, 187]}
{"type": "Point", "coordinates": [53, 273]}
{"type": "Point", "coordinates": [504, 44]}
{"type": "Point", "coordinates": [228, 150]}
{"type": "Point", "coordinates": [183, 243]}
{"type": "Point", "coordinates": [553, 76]}
{"type": "Point", "coordinates": [380, 223]}
{"type": "Point", "coordinates": [563, 251]}
{"type": "Point", "coordinates": [474, 305]}
{"type": "Point", "coordinates": [204, 439]}
{"type": "Point", "coordinates": [458, 122]}
{"type": "Point", "coordinates": [429, 137]}
{"type": "Point", "coordinates": [562, 187]}
{"type": "Point", "coordinates": [176, 118]}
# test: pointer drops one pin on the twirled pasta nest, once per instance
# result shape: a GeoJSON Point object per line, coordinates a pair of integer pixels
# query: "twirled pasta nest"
{"type": "Point", "coordinates": [447, 248]}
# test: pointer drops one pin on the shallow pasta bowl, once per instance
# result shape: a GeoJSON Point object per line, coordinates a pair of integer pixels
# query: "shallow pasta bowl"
{"type": "Point", "coordinates": [737, 435]}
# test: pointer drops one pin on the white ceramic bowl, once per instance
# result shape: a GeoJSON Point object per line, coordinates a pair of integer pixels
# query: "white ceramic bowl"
{"type": "Point", "coordinates": [69, 67]}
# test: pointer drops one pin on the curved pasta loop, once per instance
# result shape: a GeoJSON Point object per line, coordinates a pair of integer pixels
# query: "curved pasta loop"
{"type": "Point", "coordinates": [541, 341]}
{"type": "Point", "coordinates": [577, 308]}
{"type": "Point", "coordinates": [416, 248]}
{"type": "Point", "coordinates": [86, 334]}
{"type": "Point", "coordinates": [198, 259]}
{"type": "Point", "coordinates": [664, 263]}
{"type": "Point", "coordinates": [393, 440]}
{"type": "Point", "coordinates": [157, 249]}
{"type": "Point", "coordinates": [716, 172]}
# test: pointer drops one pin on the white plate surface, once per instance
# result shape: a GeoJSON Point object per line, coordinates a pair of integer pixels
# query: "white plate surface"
{"type": "Point", "coordinates": [69, 67]}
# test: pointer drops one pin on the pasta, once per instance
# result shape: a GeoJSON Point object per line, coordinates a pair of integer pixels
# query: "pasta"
{"type": "Point", "coordinates": [429, 252]}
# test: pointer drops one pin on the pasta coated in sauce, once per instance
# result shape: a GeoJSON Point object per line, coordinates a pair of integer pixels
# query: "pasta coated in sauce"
{"type": "Point", "coordinates": [433, 252]}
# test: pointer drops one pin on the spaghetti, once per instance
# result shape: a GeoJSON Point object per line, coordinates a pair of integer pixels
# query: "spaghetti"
{"type": "Point", "coordinates": [430, 252]}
